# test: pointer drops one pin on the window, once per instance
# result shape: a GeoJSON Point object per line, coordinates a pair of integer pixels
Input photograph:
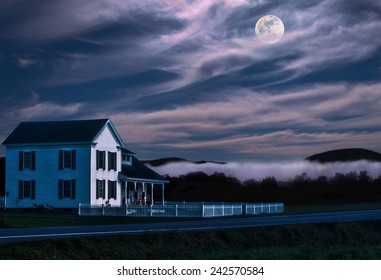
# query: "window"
{"type": "Point", "coordinates": [27, 160]}
{"type": "Point", "coordinates": [111, 189]}
{"type": "Point", "coordinates": [126, 159]}
{"type": "Point", "coordinates": [67, 159]}
{"type": "Point", "coordinates": [66, 189]}
{"type": "Point", "coordinates": [100, 191]}
{"type": "Point", "coordinates": [111, 161]}
{"type": "Point", "coordinates": [101, 160]}
{"type": "Point", "coordinates": [27, 189]}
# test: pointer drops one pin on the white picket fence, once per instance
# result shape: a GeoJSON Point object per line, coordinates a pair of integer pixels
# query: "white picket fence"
{"type": "Point", "coordinates": [182, 209]}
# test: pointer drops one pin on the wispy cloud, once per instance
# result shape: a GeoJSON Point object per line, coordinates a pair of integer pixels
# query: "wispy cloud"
{"type": "Point", "coordinates": [222, 89]}
{"type": "Point", "coordinates": [293, 122]}
{"type": "Point", "coordinates": [41, 110]}
{"type": "Point", "coordinates": [25, 62]}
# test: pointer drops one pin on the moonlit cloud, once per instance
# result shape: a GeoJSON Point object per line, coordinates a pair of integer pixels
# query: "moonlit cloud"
{"type": "Point", "coordinates": [44, 109]}
{"type": "Point", "coordinates": [306, 120]}
{"type": "Point", "coordinates": [189, 78]}
{"type": "Point", "coordinates": [25, 62]}
{"type": "Point", "coordinates": [280, 170]}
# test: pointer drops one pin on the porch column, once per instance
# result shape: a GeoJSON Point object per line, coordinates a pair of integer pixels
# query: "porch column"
{"type": "Point", "coordinates": [151, 193]}
{"type": "Point", "coordinates": [162, 193]}
{"type": "Point", "coordinates": [135, 195]}
{"type": "Point", "coordinates": [125, 193]}
{"type": "Point", "coordinates": [145, 193]}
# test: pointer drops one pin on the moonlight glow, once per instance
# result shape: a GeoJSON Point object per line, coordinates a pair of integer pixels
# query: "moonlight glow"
{"type": "Point", "coordinates": [269, 29]}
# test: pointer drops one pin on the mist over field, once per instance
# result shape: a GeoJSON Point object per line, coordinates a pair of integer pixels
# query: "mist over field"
{"type": "Point", "coordinates": [280, 170]}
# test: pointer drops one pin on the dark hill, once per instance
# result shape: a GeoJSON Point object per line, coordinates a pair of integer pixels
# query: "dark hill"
{"type": "Point", "coordinates": [163, 161]}
{"type": "Point", "coordinates": [345, 155]}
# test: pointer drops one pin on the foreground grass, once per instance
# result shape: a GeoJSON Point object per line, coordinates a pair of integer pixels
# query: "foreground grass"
{"type": "Point", "coordinates": [20, 219]}
{"type": "Point", "coordinates": [305, 209]}
{"type": "Point", "coordinates": [354, 240]}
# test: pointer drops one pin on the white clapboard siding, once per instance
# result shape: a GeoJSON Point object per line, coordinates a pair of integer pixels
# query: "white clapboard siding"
{"type": "Point", "coordinates": [105, 142]}
{"type": "Point", "coordinates": [47, 175]}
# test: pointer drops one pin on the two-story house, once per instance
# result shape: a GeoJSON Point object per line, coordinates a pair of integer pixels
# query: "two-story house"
{"type": "Point", "coordinates": [64, 163]}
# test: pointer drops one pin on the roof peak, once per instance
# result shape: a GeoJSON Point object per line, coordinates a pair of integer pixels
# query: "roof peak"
{"type": "Point", "coordinates": [62, 121]}
{"type": "Point", "coordinates": [70, 131]}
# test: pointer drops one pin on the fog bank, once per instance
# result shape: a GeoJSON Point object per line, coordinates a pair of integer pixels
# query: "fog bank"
{"type": "Point", "coordinates": [280, 170]}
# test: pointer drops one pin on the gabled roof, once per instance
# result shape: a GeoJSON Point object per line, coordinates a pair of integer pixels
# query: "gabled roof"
{"type": "Point", "coordinates": [126, 151]}
{"type": "Point", "coordinates": [138, 170]}
{"type": "Point", "coordinates": [77, 131]}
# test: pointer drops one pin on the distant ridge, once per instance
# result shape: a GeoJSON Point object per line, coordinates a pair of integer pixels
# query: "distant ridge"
{"type": "Point", "coordinates": [345, 155]}
{"type": "Point", "coordinates": [163, 161]}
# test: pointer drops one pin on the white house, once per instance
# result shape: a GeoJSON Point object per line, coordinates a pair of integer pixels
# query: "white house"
{"type": "Point", "coordinates": [64, 163]}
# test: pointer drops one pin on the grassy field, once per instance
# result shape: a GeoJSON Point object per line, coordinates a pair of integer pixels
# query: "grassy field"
{"type": "Point", "coordinates": [360, 240]}
{"type": "Point", "coordinates": [354, 240]}
{"type": "Point", "coordinates": [21, 219]}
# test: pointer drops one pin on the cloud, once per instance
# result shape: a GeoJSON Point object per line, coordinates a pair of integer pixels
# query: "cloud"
{"type": "Point", "coordinates": [280, 170]}
{"type": "Point", "coordinates": [293, 122]}
{"type": "Point", "coordinates": [39, 111]}
{"type": "Point", "coordinates": [26, 62]}
{"type": "Point", "coordinates": [200, 40]}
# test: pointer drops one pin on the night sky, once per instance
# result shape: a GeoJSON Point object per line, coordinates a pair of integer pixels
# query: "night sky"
{"type": "Point", "coordinates": [191, 79]}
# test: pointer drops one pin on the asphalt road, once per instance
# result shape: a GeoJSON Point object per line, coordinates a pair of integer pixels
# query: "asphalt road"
{"type": "Point", "coordinates": [32, 234]}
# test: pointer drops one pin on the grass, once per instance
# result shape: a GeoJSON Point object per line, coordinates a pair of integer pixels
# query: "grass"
{"type": "Point", "coordinates": [28, 219]}
{"type": "Point", "coordinates": [354, 240]}
{"type": "Point", "coordinates": [21, 219]}
{"type": "Point", "coordinates": [305, 209]}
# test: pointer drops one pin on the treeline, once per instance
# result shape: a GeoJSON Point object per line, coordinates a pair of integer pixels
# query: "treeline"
{"type": "Point", "coordinates": [352, 187]}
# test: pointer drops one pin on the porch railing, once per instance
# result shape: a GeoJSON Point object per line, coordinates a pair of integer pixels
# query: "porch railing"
{"type": "Point", "coordinates": [182, 209]}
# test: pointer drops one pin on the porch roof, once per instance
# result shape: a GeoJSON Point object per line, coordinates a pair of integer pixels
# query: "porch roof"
{"type": "Point", "coordinates": [137, 171]}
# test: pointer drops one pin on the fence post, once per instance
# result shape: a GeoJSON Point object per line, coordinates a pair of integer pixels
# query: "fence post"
{"type": "Point", "coordinates": [203, 210]}
{"type": "Point", "coordinates": [151, 210]}
{"type": "Point", "coordinates": [103, 209]}
{"type": "Point", "coordinates": [177, 210]}
{"type": "Point", "coordinates": [79, 209]}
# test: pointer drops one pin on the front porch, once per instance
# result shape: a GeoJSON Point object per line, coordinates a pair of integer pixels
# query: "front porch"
{"type": "Point", "coordinates": [140, 193]}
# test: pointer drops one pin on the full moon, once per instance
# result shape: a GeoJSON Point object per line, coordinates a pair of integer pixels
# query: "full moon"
{"type": "Point", "coordinates": [269, 29]}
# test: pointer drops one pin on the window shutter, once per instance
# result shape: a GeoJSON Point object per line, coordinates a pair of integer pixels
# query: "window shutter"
{"type": "Point", "coordinates": [97, 158]}
{"type": "Point", "coordinates": [21, 189]}
{"type": "Point", "coordinates": [21, 161]}
{"type": "Point", "coordinates": [73, 159]}
{"type": "Point", "coordinates": [103, 153]}
{"type": "Point", "coordinates": [115, 155]}
{"type": "Point", "coordinates": [104, 189]}
{"type": "Point", "coordinates": [72, 189]}
{"type": "Point", "coordinates": [109, 155]}
{"type": "Point", "coordinates": [60, 159]}
{"type": "Point", "coordinates": [97, 190]}
{"type": "Point", "coordinates": [33, 167]}
{"type": "Point", "coordinates": [114, 187]}
{"type": "Point", "coordinates": [33, 190]}
{"type": "Point", "coordinates": [108, 189]}
{"type": "Point", "coordinates": [60, 189]}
